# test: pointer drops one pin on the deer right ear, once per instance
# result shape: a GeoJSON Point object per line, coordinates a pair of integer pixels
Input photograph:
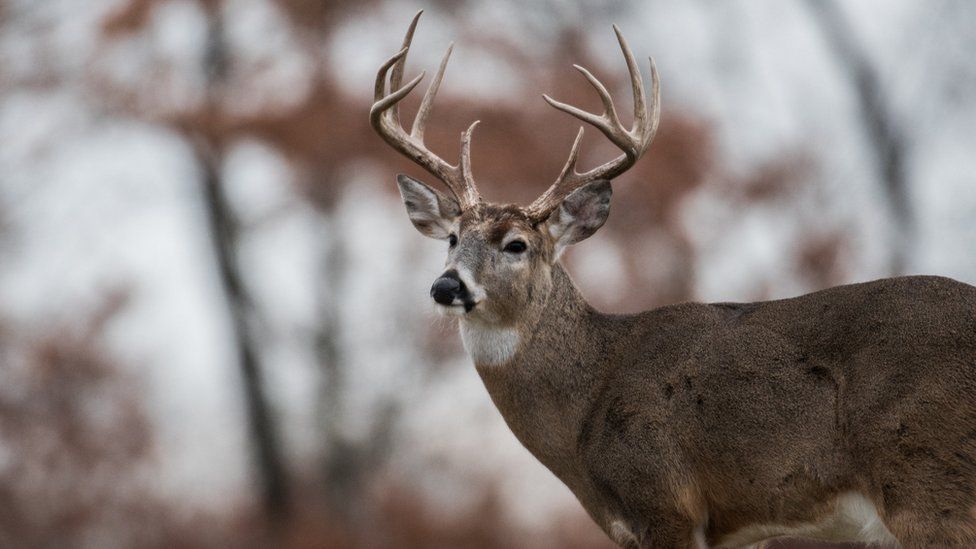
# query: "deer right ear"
{"type": "Point", "coordinates": [432, 212]}
{"type": "Point", "coordinates": [580, 214]}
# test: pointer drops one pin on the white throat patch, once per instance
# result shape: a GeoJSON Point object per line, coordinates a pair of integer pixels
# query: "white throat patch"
{"type": "Point", "coordinates": [489, 346]}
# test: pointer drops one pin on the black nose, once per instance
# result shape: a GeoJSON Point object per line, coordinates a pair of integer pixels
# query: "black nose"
{"type": "Point", "coordinates": [447, 287]}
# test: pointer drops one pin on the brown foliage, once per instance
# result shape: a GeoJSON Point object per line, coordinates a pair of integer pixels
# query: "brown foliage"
{"type": "Point", "coordinates": [399, 516]}
{"type": "Point", "coordinates": [774, 180]}
{"type": "Point", "coordinates": [129, 17]}
{"type": "Point", "coordinates": [132, 17]}
{"type": "Point", "coordinates": [323, 135]}
{"type": "Point", "coordinates": [320, 16]}
{"type": "Point", "coordinates": [77, 451]}
{"type": "Point", "coordinates": [73, 432]}
{"type": "Point", "coordinates": [819, 260]}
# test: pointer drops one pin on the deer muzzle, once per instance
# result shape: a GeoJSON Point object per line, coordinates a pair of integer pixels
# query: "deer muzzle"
{"type": "Point", "coordinates": [450, 290]}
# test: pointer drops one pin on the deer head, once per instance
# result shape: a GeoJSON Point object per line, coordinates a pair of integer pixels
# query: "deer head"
{"type": "Point", "coordinates": [500, 255]}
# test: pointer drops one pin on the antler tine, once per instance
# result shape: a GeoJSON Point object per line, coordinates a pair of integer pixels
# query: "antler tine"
{"type": "Point", "coordinates": [396, 77]}
{"type": "Point", "coordinates": [633, 142]}
{"type": "Point", "coordinates": [427, 104]}
{"type": "Point", "coordinates": [608, 109]}
{"type": "Point", "coordinates": [379, 90]}
{"type": "Point", "coordinates": [384, 116]}
{"type": "Point", "coordinates": [570, 166]}
{"type": "Point", "coordinates": [565, 184]}
{"type": "Point", "coordinates": [636, 82]}
{"type": "Point", "coordinates": [384, 104]}
{"type": "Point", "coordinates": [589, 118]}
{"type": "Point", "coordinates": [655, 102]}
{"type": "Point", "coordinates": [470, 189]}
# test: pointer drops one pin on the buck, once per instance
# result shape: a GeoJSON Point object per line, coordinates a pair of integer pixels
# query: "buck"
{"type": "Point", "coordinates": [845, 414]}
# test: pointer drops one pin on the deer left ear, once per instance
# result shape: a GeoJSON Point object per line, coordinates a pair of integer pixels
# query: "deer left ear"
{"type": "Point", "coordinates": [580, 214]}
{"type": "Point", "coordinates": [432, 212]}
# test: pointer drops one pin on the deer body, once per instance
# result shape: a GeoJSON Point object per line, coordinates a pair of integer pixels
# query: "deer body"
{"type": "Point", "coordinates": [846, 414]}
{"type": "Point", "coordinates": [820, 416]}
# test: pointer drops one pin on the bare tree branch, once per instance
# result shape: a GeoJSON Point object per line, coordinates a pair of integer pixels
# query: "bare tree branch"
{"type": "Point", "coordinates": [225, 236]}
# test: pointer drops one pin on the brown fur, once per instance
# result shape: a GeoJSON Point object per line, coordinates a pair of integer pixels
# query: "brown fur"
{"type": "Point", "coordinates": [482, 228]}
{"type": "Point", "coordinates": [757, 413]}
{"type": "Point", "coordinates": [699, 420]}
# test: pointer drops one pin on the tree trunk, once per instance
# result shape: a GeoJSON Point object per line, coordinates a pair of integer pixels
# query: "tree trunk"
{"type": "Point", "coordinates": [225, 237]}
{"type": "Point", "coordinates": [885, 138]}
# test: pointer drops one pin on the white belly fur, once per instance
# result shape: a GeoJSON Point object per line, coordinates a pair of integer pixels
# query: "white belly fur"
{"type": "Point", "coordinates": [854, 518]}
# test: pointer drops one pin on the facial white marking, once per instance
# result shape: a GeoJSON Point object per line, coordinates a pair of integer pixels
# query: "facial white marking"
{"type": "Point", "coordinates": [455, 309]}
{"type": "Point", "coordinates": [488, 345]}
{"type": "Point", "coordinates": [563, 220]}
{"type": "Point", "coordinates": [476, 291]}
{"type": "Point", "coordinates": [511, 235]}
{"type": "Point", "coordinates": [558, 229]}
{"type": "Point", "coordinates": [700, 540]}
{"type": "Point", "coordinates": [854, 518]}
{"type": "Point", "coordinates": [621, 535]}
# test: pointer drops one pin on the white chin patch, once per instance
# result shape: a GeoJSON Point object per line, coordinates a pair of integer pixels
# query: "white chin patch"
{"type": "Point", "coordinates": [451, 310]}
{"type": "Point", "coordinates": [487, 345]}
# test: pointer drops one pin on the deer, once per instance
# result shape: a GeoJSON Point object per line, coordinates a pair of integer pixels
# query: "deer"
{"type": "Point", "coordinates": [847, 414]}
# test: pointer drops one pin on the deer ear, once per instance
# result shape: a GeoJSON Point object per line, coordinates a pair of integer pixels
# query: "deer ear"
{"type": "Point", "coordinates": [432, 212]}
{"type": "Point", "coordinates": [580, 214]}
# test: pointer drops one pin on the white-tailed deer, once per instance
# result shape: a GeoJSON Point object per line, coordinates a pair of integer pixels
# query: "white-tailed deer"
{"type": "Point", "coordinates": [846, 414]}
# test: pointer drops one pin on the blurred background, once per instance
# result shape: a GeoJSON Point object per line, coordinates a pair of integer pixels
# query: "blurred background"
{"type": "Point", "coordinates": [215, 327]}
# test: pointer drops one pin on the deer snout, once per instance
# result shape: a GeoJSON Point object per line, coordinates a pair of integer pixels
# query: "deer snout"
{"type": "Point", "coordinates": [447, 288]}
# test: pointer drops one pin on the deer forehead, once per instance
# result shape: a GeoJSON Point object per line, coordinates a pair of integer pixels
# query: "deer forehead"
{"type": "Point", "coordinates": [496, 223]}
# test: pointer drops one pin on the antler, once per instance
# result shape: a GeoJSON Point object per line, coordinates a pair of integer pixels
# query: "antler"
{"type": "Point", "coordinates": [633, 142]}
{"type": "Point", "coordinates": [384, 116]}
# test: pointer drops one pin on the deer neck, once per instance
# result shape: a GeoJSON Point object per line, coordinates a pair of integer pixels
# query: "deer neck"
{"type": "Point", "coordinates": [545, 385]}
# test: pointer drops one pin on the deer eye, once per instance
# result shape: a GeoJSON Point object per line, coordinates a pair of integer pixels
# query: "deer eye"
{"type": "Point", "coordinates": [452, 240]}
{"type": "Point", "coordinates": [515, 247]}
